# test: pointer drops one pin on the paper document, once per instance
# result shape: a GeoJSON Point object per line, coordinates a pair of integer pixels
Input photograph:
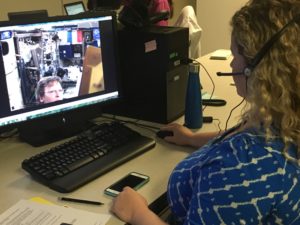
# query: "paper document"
{"type": "Point", "coordinates": [29, 212]}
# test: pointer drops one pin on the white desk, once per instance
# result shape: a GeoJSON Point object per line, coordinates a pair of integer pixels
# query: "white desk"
{"type": "Point", "coordinates": [157, 163]}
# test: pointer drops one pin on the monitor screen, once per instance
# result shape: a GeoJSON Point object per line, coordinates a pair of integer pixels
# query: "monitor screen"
{"type": "Point", "coordinates": [74, 8]}
{"type": "Point", "coordinates": [58, 69]}
{"type": "Point", "coordinates": [35, 14]}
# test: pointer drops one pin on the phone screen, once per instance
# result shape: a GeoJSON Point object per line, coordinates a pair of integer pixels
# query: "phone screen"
{"type": "Point", "coordinates": [130, 180]}
{"type": "Point", "coordinates": [133, 180]}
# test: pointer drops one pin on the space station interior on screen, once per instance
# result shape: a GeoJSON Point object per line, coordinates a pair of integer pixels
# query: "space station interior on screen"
{"type": "Point", "coordinates": [71, 52]}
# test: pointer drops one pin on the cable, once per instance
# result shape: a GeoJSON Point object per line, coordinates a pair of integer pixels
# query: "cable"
{"type": "Point", "coordinates": [219, 125]}
{"type": "Point", "coordinates": [135, 122]}
{"type": "Point", "coordinates": [246, 87]}
{"type": "Point", "coordinates": [8, 133]}
{"type": "Point", "coordinates": [147, 127]}
{"type": "Point", "coordinates": [232, 111]}
{"type": "Point", "coordinates": [212, 81]}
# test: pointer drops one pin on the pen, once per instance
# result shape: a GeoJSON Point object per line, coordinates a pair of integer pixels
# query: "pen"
{"type": "Point", "coordinates": [80, 201]}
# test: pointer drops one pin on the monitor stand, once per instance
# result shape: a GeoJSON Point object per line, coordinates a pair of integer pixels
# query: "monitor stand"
{"type": "Point", "coordinates": [43, 132]}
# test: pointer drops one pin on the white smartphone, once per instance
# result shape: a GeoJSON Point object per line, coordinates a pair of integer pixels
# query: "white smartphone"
{"type": "Point", "coordinates": [133, 180]}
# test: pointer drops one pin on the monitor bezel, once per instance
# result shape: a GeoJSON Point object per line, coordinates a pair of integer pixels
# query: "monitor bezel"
{"type": "Point", "coordinates": [91, 111]}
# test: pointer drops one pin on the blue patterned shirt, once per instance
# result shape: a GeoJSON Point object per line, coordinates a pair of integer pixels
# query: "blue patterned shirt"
{"type": "Point", "coordinates": [241, 179]}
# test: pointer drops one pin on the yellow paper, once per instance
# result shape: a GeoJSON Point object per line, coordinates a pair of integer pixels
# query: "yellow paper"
{"type": "Point", "coordinates": [41, 200]}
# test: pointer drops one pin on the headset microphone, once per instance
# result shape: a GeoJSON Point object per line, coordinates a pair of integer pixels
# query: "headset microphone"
{"type": "Point", "coordinates": [263, 51]}
{"type": "Point", "coordinates": [247, 72]}
{"type": "Point", "coordinates": [229, 74]}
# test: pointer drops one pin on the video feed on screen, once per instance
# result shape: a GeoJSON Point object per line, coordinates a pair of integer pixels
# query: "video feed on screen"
{"type": "Point", "coordinates": [50, 62]}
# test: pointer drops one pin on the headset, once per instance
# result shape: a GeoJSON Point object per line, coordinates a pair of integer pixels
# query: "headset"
{"type": "Point", "coordinates": [263, 51]}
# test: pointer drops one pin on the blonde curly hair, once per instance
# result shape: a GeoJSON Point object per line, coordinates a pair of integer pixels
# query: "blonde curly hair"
{"type": "Point", "coordinates": [273, 88]}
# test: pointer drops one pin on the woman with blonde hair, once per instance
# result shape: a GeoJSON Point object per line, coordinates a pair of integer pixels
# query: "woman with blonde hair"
{"type": "Point", "coordinates": [249, 174]}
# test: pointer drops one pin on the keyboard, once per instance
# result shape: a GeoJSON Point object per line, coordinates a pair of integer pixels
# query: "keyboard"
{"type": "Point", "coordinates": [85, 157]}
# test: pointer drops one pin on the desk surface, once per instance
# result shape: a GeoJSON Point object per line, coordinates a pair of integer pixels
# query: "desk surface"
{"type": "Point", "coordinates": [157, 163]}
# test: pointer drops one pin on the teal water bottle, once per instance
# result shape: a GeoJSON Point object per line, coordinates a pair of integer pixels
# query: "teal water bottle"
{"type": "Point", "coordinates": [193, 100]}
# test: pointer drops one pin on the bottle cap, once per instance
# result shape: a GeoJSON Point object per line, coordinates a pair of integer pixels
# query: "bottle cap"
{"type": "Point", "coordinates": [194, 67]}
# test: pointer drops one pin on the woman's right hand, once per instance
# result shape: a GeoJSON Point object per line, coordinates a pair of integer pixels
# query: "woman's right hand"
{"type": "Point", "coordinates": [181, 134]}
{"type": "Point", "coordinates": [184, 136]}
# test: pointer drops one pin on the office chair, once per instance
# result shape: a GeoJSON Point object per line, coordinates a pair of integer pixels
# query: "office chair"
{"type": "Point", "coordinates": [187, 18]}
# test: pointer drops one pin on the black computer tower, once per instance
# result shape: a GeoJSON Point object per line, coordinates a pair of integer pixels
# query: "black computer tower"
{"type": "Point", "coordinates": [154, 73]}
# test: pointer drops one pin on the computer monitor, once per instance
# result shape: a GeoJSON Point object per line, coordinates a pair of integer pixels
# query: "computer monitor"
{"type": "Point", "coordinates": [56, 73]}
{"type": "Point", "coordinates": [74, 8]}
{"type": "Point", "coordinates": [34, 14]}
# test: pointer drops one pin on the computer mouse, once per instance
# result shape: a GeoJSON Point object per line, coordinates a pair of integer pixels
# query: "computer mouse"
{"type": "Point", "coordinates": [164, 133]}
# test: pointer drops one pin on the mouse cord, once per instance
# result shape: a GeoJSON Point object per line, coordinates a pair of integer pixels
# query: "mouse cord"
{"type": "Point", "coordinates": [135, 123]}
{"type": "Point", "coordinates": [212, 81]}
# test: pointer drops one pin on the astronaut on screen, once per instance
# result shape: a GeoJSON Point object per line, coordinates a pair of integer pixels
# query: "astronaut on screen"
{"type": "Point", "coordinates": [49, 89]}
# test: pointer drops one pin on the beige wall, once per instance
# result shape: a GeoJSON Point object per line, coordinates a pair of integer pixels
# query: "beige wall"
{"type": "Point", "coordinates": [178, 5]}
{"type": "Point", "coordinates": [214, 18]}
